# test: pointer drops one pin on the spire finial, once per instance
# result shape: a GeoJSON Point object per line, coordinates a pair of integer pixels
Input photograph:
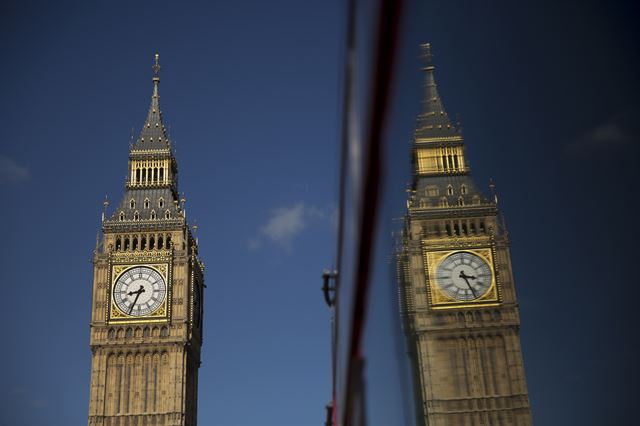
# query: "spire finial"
{"type": "Point", "coordinates": [156, 68]}
{"type": "Point", "coordinates": [427, 56]}
{"type": "Point", "coordinates": [105, 204]}
{"type": "Point", "coordinates": [492, 188]}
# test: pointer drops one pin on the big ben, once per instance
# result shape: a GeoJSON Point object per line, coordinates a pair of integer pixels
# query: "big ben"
{"type": "Point", "coordinates": [147, 304]}
{"type": "Point", "coordinates": [457, 288]}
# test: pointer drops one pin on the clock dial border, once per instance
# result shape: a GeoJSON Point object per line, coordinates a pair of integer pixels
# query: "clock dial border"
{"type": "Point", "coordinates": [439, 299]}
{"type": "Point", "coordinates": [161, 314]}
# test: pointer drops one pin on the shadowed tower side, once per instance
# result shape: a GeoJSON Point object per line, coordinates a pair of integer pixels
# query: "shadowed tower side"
{"type": "Point", "coordinates": [458, 297]}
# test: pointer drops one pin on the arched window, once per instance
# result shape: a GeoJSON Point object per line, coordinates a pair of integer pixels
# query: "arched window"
{"type": "Point", "coordinates": [132, 204]}
{"type": "Point", "coordinates": [460, 201]}
{"type": "Point", "coordinates": [456, 228]}
{"type": "Point", "coordinates": [164, 332]}
{"type": "Point", "coordinates": [135, 244]}
{"type": "Point", "coordinates": [112, 333]}
{"type": "Point", "coordinates": [464, 228]}
{"type": "Point", "coordinates": [155, 174]}
{"type": "Point", "coordinates": [136, 216]}
{"type": "Point", "coordinates": [463, 189]}
{"type": "Point", "coordinates": [450, 190]}
{"type": "Point", "coordinates": [168, 241]}
{"type": "Point", "coordinates": [161, 202]}
{"type": "Point", "coordinates": [160, 242]}
{"type": "Point", "coordinates": [121, 216]}
{"type": "Point", "coordinates": [144, 175]}
{"type": "Point", "coordinates": [161, 175]}
{"type": "Point", "coordinates": [118, 244]}
{"type": "Point", "coordinates": [444, 202]}
{"type": "Point", "coordinates": [167, 214]}
{"type": "Point", "coordinates": [126, 243]}
{"type": "Point", "coordinates": [129, 333]}
{"type": "Point", "coordinates": [146, 332]}
{"type": "Point", "coordinates": [146, 203]}
{"type": "Point", "coordinates": [152, 243]}
{"type": "Point", "coordinates": [137, 176]}
{"type": "Point", "coordinates": [153, 214]}
{"type": "Point", "coordinates": [143, 243]}
{"type": "Point", "coordinates": [448, 229]}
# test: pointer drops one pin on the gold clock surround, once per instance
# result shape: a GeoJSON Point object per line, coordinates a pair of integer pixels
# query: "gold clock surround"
{"type": "Point", "coordinates": [158, 261]}
{"type": "Point", "coordinates": [438, 299]}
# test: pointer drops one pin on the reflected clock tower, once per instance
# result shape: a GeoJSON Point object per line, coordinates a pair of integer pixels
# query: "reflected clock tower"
{"type": "Point", "coordinates": [146, 316]}
{"type": "Point", "coordinates": [457, 287]}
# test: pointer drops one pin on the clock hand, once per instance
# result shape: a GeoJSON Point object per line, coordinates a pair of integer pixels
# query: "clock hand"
{"type": "Point", "coordinates": [464, 277]}
{"type": "Point", "coordinates": [139, 292]}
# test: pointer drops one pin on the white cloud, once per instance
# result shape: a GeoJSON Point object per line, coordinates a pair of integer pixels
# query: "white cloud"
{"type": "Point", "coordinates": [617, 134]}
{"type": "Point", "coordinates": [254, 244]}
{"type": "Point", "coordinates": [284, 224]}
{"type": "Point", "coordinates": [12, 172]}
{"type": "Point", "coordinates": [609, 133]}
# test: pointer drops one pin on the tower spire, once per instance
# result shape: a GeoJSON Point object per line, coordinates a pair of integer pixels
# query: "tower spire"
{"type": "Point", "coordinates": [434, 120]}
{"type": "Point", "coordinates": [153, 135]}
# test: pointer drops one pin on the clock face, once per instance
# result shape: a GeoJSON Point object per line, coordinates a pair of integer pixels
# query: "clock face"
{"type": "Point", "coordinates": [464, 276]}
{"type": "Point", "coordinates": [139, 291]}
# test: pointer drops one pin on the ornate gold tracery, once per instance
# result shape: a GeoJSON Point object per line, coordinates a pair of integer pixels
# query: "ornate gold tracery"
{"type": "Point", "coordinates": [438, 299]}
{"type": "Point", "coordinates": [150, 172]}
{"type": "Point", "coordinates": [162, 314]}
{"type": "Point", "coordinates": [441, 159]}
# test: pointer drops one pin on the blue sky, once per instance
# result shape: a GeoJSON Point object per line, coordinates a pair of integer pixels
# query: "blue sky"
{"type": "Point", "coordinates": [547, 95]}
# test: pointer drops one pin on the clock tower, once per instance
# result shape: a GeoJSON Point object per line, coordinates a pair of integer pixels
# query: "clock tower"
{"type": "Point", "coordinates": [146, 316]}
{"type": "Point", "coordinates": [458, 292]}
